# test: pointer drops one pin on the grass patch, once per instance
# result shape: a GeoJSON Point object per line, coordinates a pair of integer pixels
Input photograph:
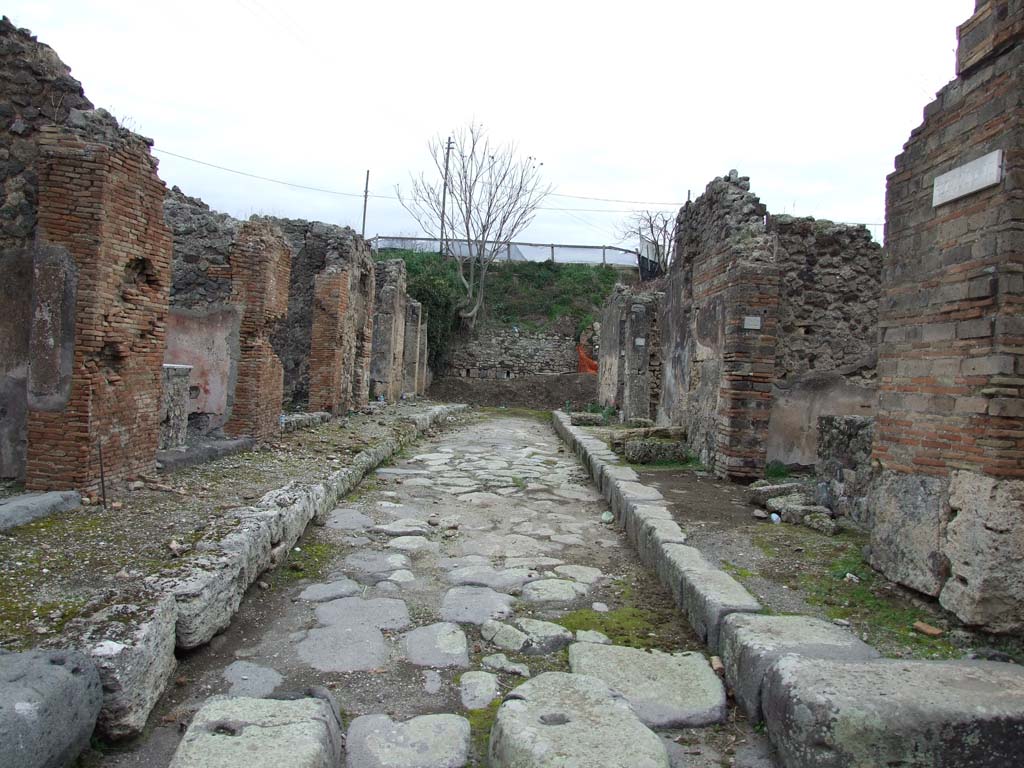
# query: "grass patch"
{"type": "Point", "coordinates": [308, 559]}
{"type": "Point", "coordinates": [776, 470]}
{"type": "Point", "coordinates": [738, 571]}
{"type": "Point", "coordinates": [480, 723]}
{"type": "Point", "coordinates": [631, 626]}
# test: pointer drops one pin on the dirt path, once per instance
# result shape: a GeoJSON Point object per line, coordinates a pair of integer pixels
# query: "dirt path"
{"type": "Point", "coordinates": [386, 606]}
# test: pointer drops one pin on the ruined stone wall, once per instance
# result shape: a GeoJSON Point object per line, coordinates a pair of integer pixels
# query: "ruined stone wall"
{"type": "Point", "coordinates": [769, 323]}
{"type": "Point", "coordinates": [843, 471]}
{"type": "Point", "coordinates": [630, 356]}
{"type": "Point", "coordinates": [423, 373]}
{"type": "Point", "coordinates": [610, 374]}
{"type": "Point", "coordinates": [411, 347]}
{"type": "Point", "coordinates": [507, 353]}
{"type": "Point", "coordinates": [36, 89]}
{"type": "Point", "coordinates": [331, 297]}
{"type": "Point", "coordinates": [174, 406]}
{"type": "Point", "coordinates": [386, 364]}
{"type": "Point", "coordinates": [100, 213]}
{"type": "Point", "coordinates": [719, 328]}
{"type": "Point", "coordinates": [949, 442]}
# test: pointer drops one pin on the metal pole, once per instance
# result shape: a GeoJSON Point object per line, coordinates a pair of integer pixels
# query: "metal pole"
{"type": "Point", "coordinates": [552, 253]}
{"type": "Point", "coordinates": [604, 260]}
{"type": "Point", "coordinates": [366, 195]}
{"type": "Point", "coordinates": [444, 191]}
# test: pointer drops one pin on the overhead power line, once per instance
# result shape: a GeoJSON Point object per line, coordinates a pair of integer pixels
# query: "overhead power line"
{"type": "Point", "coordinates": [324, 190]}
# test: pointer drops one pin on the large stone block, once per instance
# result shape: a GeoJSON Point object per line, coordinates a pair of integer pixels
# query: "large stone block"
{"type": "Point", "coordinates": [750, 644]}
{"type": "Point", "coordinates": [571, 721]}
{"type": "Point", "coordinates": [985, 547]}
{"type": "Point", "coordinates": [840, 714]}
{"type": "Point", "coordinates": [261, 733]}
{"type": "Point", "coordinates": [49, 701]}
{"type": "Point", "coordinates": [910, 517]}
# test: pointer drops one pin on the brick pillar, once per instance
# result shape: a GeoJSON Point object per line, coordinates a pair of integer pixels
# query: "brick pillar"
{"type": "Point", "coordinates": [949, 446]}
{"type": "Point", "coordinates": [332, 346]}
{"type": "Point", "coordinates": [100, 209]}
{"type": "Point", "coordinates": [261, 263]}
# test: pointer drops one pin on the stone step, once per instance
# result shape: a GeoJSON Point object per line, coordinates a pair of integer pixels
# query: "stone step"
{"type": "Point", "coordinates": [262, 733]}
{"type": "Point", "coordinates": [571, 721]}
{"type": "Point", "coordinates": [428, 741]}
{"type": "Point", "coordinates": [846, 714]}
{"type": "Point", "coordinates": [665, 690]}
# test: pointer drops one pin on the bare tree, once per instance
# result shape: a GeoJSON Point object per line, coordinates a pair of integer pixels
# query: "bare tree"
{"type": "Point", "coordinates": [492, 196]}
{"type": "Point", "coordinates": [656, 231]}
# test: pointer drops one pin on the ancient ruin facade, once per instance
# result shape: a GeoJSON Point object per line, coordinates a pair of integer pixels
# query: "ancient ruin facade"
{"type": "Point", "coordinates": [86, 267]}
{"type": "Point", "coordinates": [767, 324]}
{"type": "Point", "coordinates": [629, 359]}
{"type": "Point", "coordinates": [325, 342]}
{"type": "Point", "coordinates": [411, 348]}
{"type": "Point", "coordinates": [949, 441]}
{"type": "Point", "coordinates": [229, 292]}
{"type": "Point", "coordinates": [387, 364]}
{"type": "Point", "coordinates": [512, 353]}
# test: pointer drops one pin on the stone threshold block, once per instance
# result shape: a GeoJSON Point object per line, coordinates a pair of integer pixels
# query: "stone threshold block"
{"type": "Point", "coordinates": [571, 721]}
{"type": "Point", "coordinates": [262, 733]}
{"type": "Point", "coordinates": [841, 714]}
{"type": "Point", "coordinates": [428, 741]}
{"type": "Point", "coordinates": [751, 643]}
{"type": "Point", "coordinates": [665, 690]}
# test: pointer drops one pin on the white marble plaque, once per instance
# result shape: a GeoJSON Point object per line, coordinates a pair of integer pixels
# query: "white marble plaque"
{"type": "Point", "coordinates": [752, 323]}
{"type": "Point", "coordinates": [640, 341]}
{"type": "Point", "coordinates": [985, 172]}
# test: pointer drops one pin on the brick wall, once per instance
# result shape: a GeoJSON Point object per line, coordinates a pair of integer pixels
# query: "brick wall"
{"type": "Point", "coordinates": [261, 261]}
{"type": "Point", "coordinates": [100, 199]}
{"type": "Point", "coordinates": [949, 445]}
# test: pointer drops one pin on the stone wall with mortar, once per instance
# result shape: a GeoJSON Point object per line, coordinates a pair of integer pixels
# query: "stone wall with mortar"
{"type": "Point", "coordinates": [630, 357]}
{"type": "Point", "coordinates": [331, 294]}
{"type": "Point", "coordinates": [843, 472]}
{"type": "Point", "coordinates": [768, 323]}
{"type": "Point", "coordinates": [411, 350]}
{"type": "Point", "coordinates": [388, 351]}
{"type": "Point", "coordinates": [174, 406]}
{"type": "Point", "coordinates": [36, 89]}
{"type": "Point", "coordinates": [949, 442]}
{"type": "Point", "coordinates": [510, 353]}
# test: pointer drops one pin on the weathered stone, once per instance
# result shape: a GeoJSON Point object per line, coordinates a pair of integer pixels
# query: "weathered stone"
{"type": "Point", "coordinates": [343, 648]}
{"type": "Point", "coordinates": [581, 573]}
{"type": "Point", "coordinates": [572, 721]}
{"type": "Point", "coordinates": [49, 701]}
{"type": "Point", "coordinates": [495, 578]}
{"type": "Point", "coordinates": [478, 689]}
{"type": "Point", "coordinates": [413, 544]}
{"type": "Point", "coordinates": [373, 562]}
{"type": "Point", "coordinates": [821, 522]}
{"type": "Point", "coordinates": [319, 593]}
{"type": "Point", "coordinates": [985, 547]}
{"type": "Point", "coordinates": [304, 733]}
{"type": "Point", "coordinates": [751, 643]}
{"type": "Point", "coordinates": [404, 527]}
{"type": "Point", "coordinates": [592, 636]}
{"type": "Point", "coordinates": [437, 645]}
{"type": "Point", "coordinates": [380, 612]}
{"type": "Point", "coordinates": [553, 591]}
{"type": "Point", "coordinates": [665, 690]}
{"type": "Point", "coordinates": [761, 494]}
{"type": "Point", "coordinates": [251, 680]}
{"type": "Point", "coordinates": [348, 520]}
{"type": "Point", "coordinates": [503, 636]}
{"type": "Point", "coordinates": [835, 714]}
{"type": "Point", "coordinates": [583, 419]}
{"type": "Point", "coordinates": [475, 605]}
{"type": "Point", "coordinates": [26, 507]}
{"type": "Point", "coordinates": [794, 500]}
{"type": "Point", "coordinates": [428, 741]}
{"type": "Point", "coordinates": [543, 637]}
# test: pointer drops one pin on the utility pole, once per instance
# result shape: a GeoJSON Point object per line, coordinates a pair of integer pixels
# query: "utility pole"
{"type": "Point", "coordinates": [366, 196]}
{"type": "Point", "coordinates": [444, 191]}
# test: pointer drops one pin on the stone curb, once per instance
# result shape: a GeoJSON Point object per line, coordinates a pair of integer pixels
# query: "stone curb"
{"type": "Point", "coordinates": [762, 665]}
{"type": "Point", "coordinates": [186, 611]}
{"type": "Point", "coordinates": [27, 507]}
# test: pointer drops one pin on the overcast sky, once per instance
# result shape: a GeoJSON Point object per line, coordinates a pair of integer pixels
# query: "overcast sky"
{"type": "Point", "coordinates": [639, 101]}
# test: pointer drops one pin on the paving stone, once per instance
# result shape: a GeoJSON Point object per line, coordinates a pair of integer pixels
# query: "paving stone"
{"type": "Point", "coordinates": [599, 607]}
{"type": "Point", "coordinates": [751, 643]}
{"type": "Point", "coordinates": [437, 645]}
{"type": "Point", "coordinates": [666, 690]}
{"type": "Point", "coordinates": [571, 721]}
{"type": "Point", "coordinates": [553, 591]}
{"type": "Point", "coordinates": [478, 689]}
{"type": "Point", "coordinates": [487, 576]}
{"type": "Point", "coordinates": [343, 648]}
{"type": "Point", "coordinates": [348, 520]}
{"type": "Point", "coordinates": [451, 563]}
{"type": "Point", "coordinates": [532, 562]}
{"type": "Point", "coordinates": [503, 636]}
{"type": "Point", "coordinates": [304, 733]}
{"type": "Point", "coordinates": [592, 636]}
{"type": "Point", "coordinates": [407, 526]}
{"type": "Point", "coordinates": [475, 605]}
{"type": "Point", "coordinates": [839, 714]}
{"type": "Point", "coordinates": [432, 681]}
{"type": "Point", "coordinates": [502, 663]}
{"type": "Point", "coordinates": [252, 680]}
{"type": "Point", "coordinates": [49, 702]}
{"type": "Point", "coordinates": [343, 587]}
{"type": "Point", "coordinates": [413, 544]}
{"type": "Point", "coordinates": [402, 577]}
{"type": "Point", "coordinates": [543, 637]}
{"type": "Point", "coordinates": [373, 562]}
{"type": "Point", "coordinates": [428, 741]}
{"type": "Point", "coordinates": [580, 573]}
{"type": "Point", "coordinates": [379, 612]}
{"type": "Point", "coordinates": [569, 539]}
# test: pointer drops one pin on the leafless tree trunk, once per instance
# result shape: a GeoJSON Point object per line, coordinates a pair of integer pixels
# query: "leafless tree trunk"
{"type": "Point", "coordinates": [492, 197]}
{"type": "Point", "coordinates": [656, 231]}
